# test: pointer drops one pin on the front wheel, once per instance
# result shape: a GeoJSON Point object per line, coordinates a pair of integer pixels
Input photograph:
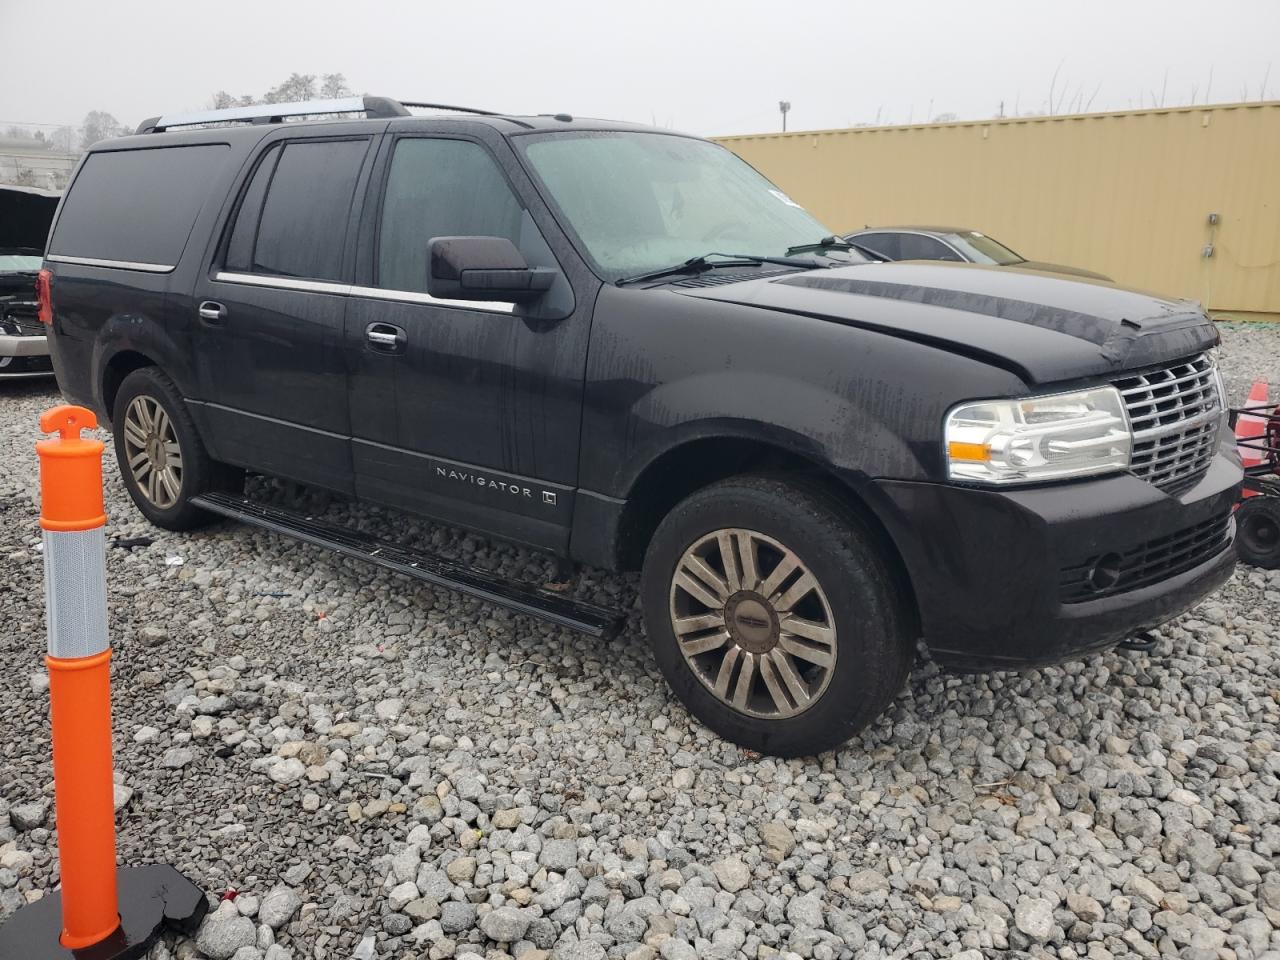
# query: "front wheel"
{"type": "Point", "coordinates": [773, 616]}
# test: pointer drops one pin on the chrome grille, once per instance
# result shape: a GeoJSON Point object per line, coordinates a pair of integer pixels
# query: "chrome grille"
{"type": "Point", "coordinates": [1175, 412]}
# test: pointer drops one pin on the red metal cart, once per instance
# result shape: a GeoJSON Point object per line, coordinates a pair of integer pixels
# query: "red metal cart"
{"type": "Point", "coordinates": [1258, 513]}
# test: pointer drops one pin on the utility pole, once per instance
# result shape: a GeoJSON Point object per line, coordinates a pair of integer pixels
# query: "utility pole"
{"type": "Point", "coordinates": [783, 107]}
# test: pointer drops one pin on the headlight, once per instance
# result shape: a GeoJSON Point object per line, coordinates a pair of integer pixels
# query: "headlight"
{"type": "Point", "coordinates": [1212, 354]}
{"type": "Point", "coordinates": [1039, 438]}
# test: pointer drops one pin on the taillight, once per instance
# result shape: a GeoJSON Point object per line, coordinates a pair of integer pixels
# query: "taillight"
{"type": "Point", "coordinates": [44, 296]}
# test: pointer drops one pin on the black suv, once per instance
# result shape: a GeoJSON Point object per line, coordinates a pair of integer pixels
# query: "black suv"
{"type": "Point", "coordinates": [628, 348]}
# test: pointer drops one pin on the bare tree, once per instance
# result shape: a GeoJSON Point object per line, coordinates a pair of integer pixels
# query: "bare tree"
{"type": "Point", "coordinates": [299, 87]}
{"type": "Point", "coordinates": [333, 86]}
{"type": "Point", "coordinates": [222, 100]}
{"type": "Point", "coordinates": [64, 139]}
{"type": "Point", "coordinates": [99, 125]}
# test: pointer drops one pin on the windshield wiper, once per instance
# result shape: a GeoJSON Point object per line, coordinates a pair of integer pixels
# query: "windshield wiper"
{"type": "Point", "coordinates": [704, 262]}
{"type": "Point", "coordinates": [826, 243]}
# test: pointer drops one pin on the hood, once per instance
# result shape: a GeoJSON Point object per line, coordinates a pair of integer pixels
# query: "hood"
{"type": "Point", "coordinates": [25, 216]}
{"type": "Point", "coordinates": [1043, 267]}
{"type": "Point", "coordinates": [1040, 327]}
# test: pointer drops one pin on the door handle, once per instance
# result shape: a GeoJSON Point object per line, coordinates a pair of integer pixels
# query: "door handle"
{"type": "Point", "coordinates": [385, 337]}
{"type": "Point", "coordinates": [212, 312]}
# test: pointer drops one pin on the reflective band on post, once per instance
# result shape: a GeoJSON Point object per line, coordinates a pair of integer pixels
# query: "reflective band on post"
{"type": "Point", "coordinates": [75, 584]}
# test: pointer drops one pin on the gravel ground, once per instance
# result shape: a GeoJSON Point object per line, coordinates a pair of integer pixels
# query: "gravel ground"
{"type": "Point", "coordinates": [382, 769]}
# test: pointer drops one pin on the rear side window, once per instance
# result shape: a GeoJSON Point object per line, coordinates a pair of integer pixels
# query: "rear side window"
{"type": "Point", "coordinates": [240, 246]}
{"type": "Point", "coordinates": [292, 221]}
{"type": "Point", "coordinates": [440, 188]}
{"type": "Point", "coordinates": [915, 246]}
{"type": "Point", "coordinates": [885, 244]}
{"type": "Point", "coordinates": [136, 206]}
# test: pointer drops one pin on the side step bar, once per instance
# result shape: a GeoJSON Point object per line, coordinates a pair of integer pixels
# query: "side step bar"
{"type": "Point", "coordinates": [523, 598]}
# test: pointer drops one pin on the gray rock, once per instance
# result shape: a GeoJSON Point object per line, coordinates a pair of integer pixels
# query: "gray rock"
{"type": "Point", "coordinates": [287, 771]}
{"type": "Point", "coordinates": [805, 912]}
{"type": "Point", "coordinates": [559, 855]}
{"type": "Point", "coordinates": [402, 895]}
{"type": "Point", "coordinates": [1202, 853]}
{"type": "Point", "coordinates": [176, 758]}
{"type": "Point", "coordinates": [505, 925]}
{"type": "Point", "coordinates": [224, 932]}
{"type": "Point", "coordinates": [1034, 917]}
{"type": "Point", "coordinates": [1085, 907]}
{"type": "Point", "coordinates": [28, 816]}
{"type": "Point", "coordinates": [580, 950]}
{"type": "Point", "coordinates": [422, 910]}
{"type": "Point", "coordinates": [732, 874]}
{"type": "Point", "coordinates": [396, 924]}
{"type": "Point", "coordinates": [868, 881]}
{"type": "Point", "coordinates": [279, 906]}
{"type": "Point", "coordinates": [457, 917]}
{"type": "Point", "coordinates": [778, 839]}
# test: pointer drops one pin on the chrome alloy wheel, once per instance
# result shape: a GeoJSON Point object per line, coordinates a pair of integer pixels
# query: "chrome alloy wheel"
{"type": "Point", "coordinates": [153, 452]}
{"type": "Point", "coordinates": [753, 623]}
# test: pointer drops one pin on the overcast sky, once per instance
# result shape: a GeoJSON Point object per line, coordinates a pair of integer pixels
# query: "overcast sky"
{"type": "Point", "coordinates": [704, 67]}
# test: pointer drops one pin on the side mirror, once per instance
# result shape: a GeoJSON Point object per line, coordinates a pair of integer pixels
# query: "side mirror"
{"type": "Point", "coordinates": [483, 268]}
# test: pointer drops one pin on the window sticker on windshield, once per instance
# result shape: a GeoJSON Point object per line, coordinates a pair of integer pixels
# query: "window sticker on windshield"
{"type": "Point", "coordinates": [785, 199]}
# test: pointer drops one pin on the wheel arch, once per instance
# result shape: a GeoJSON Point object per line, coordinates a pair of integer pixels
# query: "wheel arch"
{"type": "Point", "coordinates": [115, 370]}
{"type": "Point", "coordinates": [698, 462]}
{"type": "Point", "coordinates": [129, 342]}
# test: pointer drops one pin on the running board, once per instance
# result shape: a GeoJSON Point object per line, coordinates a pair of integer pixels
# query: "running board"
{"type": "Point", "coordinates": [523, 598]}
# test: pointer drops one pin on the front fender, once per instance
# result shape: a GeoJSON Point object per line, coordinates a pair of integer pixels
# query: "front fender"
{"type": "Point", "coordinates": [664, 368]}
{"type": "Point", "coordinates": [804, 418]}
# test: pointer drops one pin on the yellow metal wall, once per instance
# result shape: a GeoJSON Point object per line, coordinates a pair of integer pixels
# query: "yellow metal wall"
{"type": "Point", "coordinates": [1128, 194]}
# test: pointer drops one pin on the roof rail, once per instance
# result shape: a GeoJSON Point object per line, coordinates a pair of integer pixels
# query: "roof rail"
{"type": "Point", "coordinates": [446, 106]}
{"type": "Point", "coordinates": [372, 107]}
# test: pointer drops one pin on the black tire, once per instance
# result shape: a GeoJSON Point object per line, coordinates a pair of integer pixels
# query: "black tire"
{"type": "Point", "coordinates": [1258, 532]}
{"type": "Point", "coordinates": [199, 474]}
{"type": "Point", "coordinates": [874, 648]}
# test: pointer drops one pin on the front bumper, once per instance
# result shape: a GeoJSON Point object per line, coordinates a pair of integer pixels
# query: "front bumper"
{"type": "Point", "coordinates": [24, 356]}
{"type": "Point", "coordinates": [997, 573]}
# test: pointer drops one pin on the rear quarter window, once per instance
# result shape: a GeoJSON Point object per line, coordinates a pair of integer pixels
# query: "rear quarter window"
{"type": "Point", "coordinates": [136, 206]}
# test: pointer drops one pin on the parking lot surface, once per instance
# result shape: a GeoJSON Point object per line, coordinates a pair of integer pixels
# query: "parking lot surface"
{"type": "Point", "coordinates": [379, 768]}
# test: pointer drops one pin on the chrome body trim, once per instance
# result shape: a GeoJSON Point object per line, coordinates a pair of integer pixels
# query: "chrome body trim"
{"type": "Point", "coordinates": [115, 264]}
{"type": "Point", "coordinates": [350, 290]}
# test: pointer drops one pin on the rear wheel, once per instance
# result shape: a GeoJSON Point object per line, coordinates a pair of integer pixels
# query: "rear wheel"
{"type": "Point", "coordinates": [162, 459]}
{"type": "Point", "coordinates": [773, 616]}
{"type": "Point", "coordinates": [1258, 532]}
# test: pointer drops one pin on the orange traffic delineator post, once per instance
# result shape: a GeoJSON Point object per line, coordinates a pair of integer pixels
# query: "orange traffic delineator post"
{"type": "Point", "coordinates": [102, 912]}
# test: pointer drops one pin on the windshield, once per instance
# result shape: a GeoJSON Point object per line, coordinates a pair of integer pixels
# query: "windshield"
{"type": "Point", "coordinates": [979, 248]}
{"type": "Point", "coordinates": [644, 201]}
{"type": "Point", "coordinates": [19, 262]}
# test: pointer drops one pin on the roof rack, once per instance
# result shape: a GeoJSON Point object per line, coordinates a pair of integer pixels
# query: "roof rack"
{"type": "Point", "coordinates": [445, 106]}
{"type": "Point", "coordinates": [375, 108]}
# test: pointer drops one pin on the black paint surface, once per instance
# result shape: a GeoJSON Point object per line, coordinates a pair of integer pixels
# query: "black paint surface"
{"type": "Point", "coordinates": [150, 898]}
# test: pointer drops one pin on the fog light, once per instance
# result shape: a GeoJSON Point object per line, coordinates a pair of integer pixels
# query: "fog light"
{"type": "Point", "coordinates": [1105, 574]}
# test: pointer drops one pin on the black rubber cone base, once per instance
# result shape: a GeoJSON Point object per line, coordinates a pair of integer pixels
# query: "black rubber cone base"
{"type": "Point", "coordinates": [151, 898]}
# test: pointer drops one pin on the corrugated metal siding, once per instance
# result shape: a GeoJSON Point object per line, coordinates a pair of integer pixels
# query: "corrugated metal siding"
{"type": "Point", "coordinates": [1128, 194]}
